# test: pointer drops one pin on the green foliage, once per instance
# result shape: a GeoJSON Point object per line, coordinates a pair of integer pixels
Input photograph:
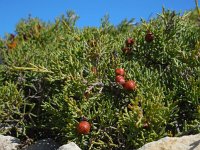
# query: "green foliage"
{"type": "Point", "coordinates": [58, 74]}
{"type": "Point", "coordinates": [15, 112]}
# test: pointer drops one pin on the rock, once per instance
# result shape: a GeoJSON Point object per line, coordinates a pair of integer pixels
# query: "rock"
{"type": "Point", "coordinates": [8, 143]}
{"type": "Point", "coordinates": [191, 142]}
{"type": "Point", "coordinates": [69, 146]}
{"type": "Point", "coordinates": [45, 144]}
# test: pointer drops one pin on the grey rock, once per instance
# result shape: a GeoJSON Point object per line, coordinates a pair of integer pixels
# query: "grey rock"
{"type": "Point", "coordinates": [69, 146]}
{"type": "Point", "coordinates": [45, 144]}
{"type": "Point", "coordinates": [8, 143]}
{"type": "Point", "coordinates": [191, 142]}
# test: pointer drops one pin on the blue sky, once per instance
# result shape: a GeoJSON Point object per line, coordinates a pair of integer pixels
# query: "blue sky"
{"type": "Point", "coordinates": [89, 11]}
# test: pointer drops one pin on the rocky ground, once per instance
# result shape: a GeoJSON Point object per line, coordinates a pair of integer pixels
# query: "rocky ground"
{"type": "Point", "coordinates": [190, 142]}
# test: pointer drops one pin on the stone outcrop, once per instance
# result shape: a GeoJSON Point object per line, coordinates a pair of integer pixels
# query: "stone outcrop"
{"type": "Point", "coordinates": [69, 146]}
{"type": "Point", "coordinates": [191, 142]}
{"type": "Point", "coordinates": [8, 143]}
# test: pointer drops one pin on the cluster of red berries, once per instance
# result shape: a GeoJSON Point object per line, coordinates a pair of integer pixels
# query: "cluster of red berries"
{"type": "Point", "coordinates": [149, 37]}
{"type": "Point", "coordinates": [84, 126]}
{"type": "Point", "coordinates": [128, 85]}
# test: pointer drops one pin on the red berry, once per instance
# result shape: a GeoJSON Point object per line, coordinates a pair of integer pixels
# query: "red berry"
{"type": "Point", "coordinates": [83, 127]}
{"type": "Point", "coordinates": [130, 85]}
{"type": "Point", "coordinates": [119, 71]}
{"type": "Point", "coordinates": [149, 36]}
{"type": "Point", "coordinates": [120, 79]}
{"type": "Point", "coordinates": [129, 42]}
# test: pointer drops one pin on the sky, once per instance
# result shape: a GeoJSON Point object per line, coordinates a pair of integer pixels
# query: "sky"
{"type": "Point", "coordinates": [89, 11]}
